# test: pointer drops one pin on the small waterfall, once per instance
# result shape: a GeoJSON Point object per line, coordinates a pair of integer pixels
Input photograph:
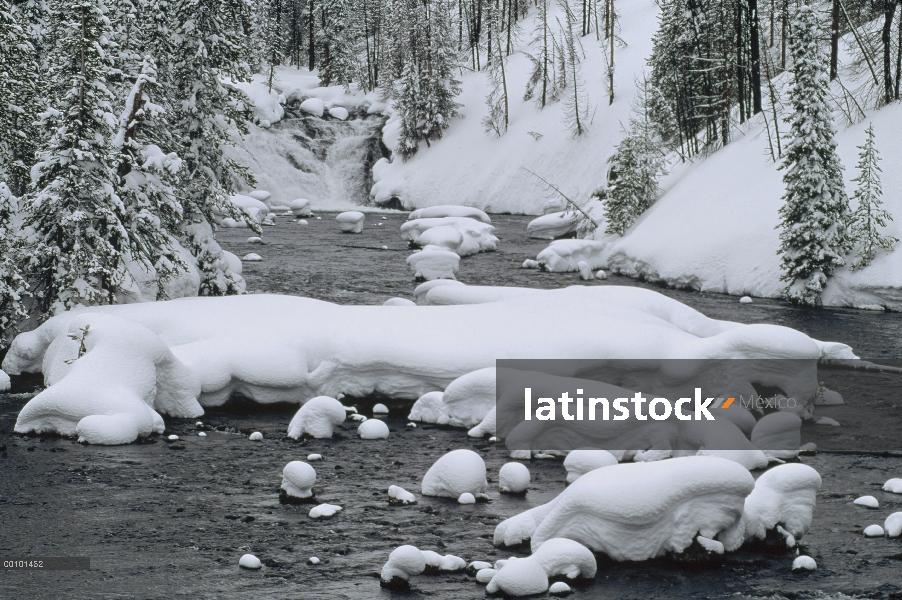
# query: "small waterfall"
{"type": "Point", "coordinates": [324, 159]}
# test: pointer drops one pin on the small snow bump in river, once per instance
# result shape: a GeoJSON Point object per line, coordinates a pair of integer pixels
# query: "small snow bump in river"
{"type": "Point", "coordinates": [513, 478]}
{"type": "Point", "coordinates": [252, 257]}
{"type": "Point", "coordinates": [313, 560]}
{"type": "Point", "coordinates": [827, 421]}
{"type": "Point", "coordinates": [398, 495]}
{"type": "Point", "coordinates": [804, 563]}
{"type": "Point", "coordinates": [201, 434]}
{"type": "Point", "coordinates": [455, 473]}
{"type": "Point", "coordinates": [466, 498]}
{"type": "Point", "coordinates": [893, 525]}
{"type": "Point", "coordinates": [302, 222]}
{"type": "Point", "coordinates": [746, 300]}
{"type": "Point", "coordinates": [373, 429]}
{"type": "Point", "coordinates": [867, 501]}
{"type": "Point", "coordinates": [255, 240]}
{"type": "Point", "coordinates": [403, 562]}
{"type": "Point", "coordinates": [297, 481]}
{"type": "Point", "coordinates": [173, 438]}
{"type": "Point", "coordinates": [380, 409]}
{"type": "Point", "coordinates": [256, 437]}
{"type": "Point", "coordinates": [249, 561]}
{"type": "Point", "coordinates": [324, 510]}
{"type": "Point", "coordinates": [559, 588]}
{"type": "Point", "coordinates": [893, 486]}
{"type": "Point", "coordinates": [874, 531]}
{"type": "Point", "coordinates": [485, 575]}
{"type": "Point", "coordinates": [314, 457]}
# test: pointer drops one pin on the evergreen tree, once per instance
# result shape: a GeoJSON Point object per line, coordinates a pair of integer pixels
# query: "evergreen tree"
{"type": "Point", "coordinates": [335, 38]}
{"type": "Point", "coordinates": [210, 47]}
{"type": "Point", "coordinates": [635, 169]}
{"type": "Point", "coordinates": [270, 38]}
{"type": "Point", "coordinates": [18, 96]}
{"type": "Point", "coordinates": [870, 214]}
{"type": "Point", "coordinates": [576, 101]}
{"type": "Point", "coordinates": [497, 101]}
{"type": "Point", "coordinates": [542, 75]}
{"type": "Point", "coordinates": [814, 235]}
{"type": "Point", "coordinates": [74, 217]}
{"type": "Point", "coordinates": [13, 288]}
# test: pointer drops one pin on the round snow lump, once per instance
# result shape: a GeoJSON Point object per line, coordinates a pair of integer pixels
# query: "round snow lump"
{"type": "Point", "coordinates": [893, 525]}
{"type": "Point", "coordinates": [201, 434]}
{"type": "Point", "coordinates": [403, 562]}
{"type": "Point", "coordinates": [298, 479]}
{"type": "Point", "coordinates": [559, 588]}
{"type": "Point", "coordinates": [455, 473]}
{"type": "Point", "coordinates": [466, 498]}
{"type": "Point", "coordinates": [255, 240]}
{"type": "Point", "coordinates": [339, 112]}
{"type": "Point", "coordinates": [324, 510]}
{"type": "Point", "coordinates": [351, 221]}
{"type": "Point", "coordinates": [519, 577]}
{"type": "Point", "coordinates": [485, 575]}
{"type": "Point", "coordinates": [580, 462]}
{"type": "Point", "coordinates": [173, 438]}
{"type": "Point", "coordinates": [314, 457]}
{"type": "Point", "coordinates": [317, 418]}
{"type": "Point", "coordinates": [380, 409]}
{"type": "Point", "coordinates": [398, 495]}
{"type": "Point", "coordinates": [868, 501]}
{"type": "Point", "coordinates": [513, 478]}
{"type": "Point", "coordinates": [249, 561]}
{"type": "Point", "coordinates": [874, 531]}
{"type": "Point", "coordinates": [313, 560]}
{"type": "Point", "coordinates": [256, 437]}
{"type": "Point", "coordinates": [804, 563]}
{"type": "Point", "coordinates": [313, 106]}
{"type": "Point", "coordinates": [745, 300]}
{"type": "Point", "coordinates": [252, 257]}
{"type": "Point", "coordinates": [372, 429]}
{"type": "Point", "coordinates": [893, 486]}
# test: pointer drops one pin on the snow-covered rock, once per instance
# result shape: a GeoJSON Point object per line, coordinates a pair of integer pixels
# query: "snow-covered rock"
{"type": "Point", "coordinates": [485, 427]}
{"type": "Point", "coordinates": [398, 495]}
{"type": "Point", "coordinates": [339, 112]}
{"type": "Point", "coordinates": [562, 556]}
{"type": "Point", "coordinates": [351, 221]}
{"type": "Point", "coordinates": [427, 409]}
{"type": "Point", "coordinates": [893, 525]}
{"type": "Point", "coordinates": [313, 106]}
{"type": "Point", "coordinates": [253, 208]}
{"type": "Point", "coordinates": [519, 577]}
{"type": "Point", "coordinates": [436, 563]}
{"type": "Point", "coordinates": [559, 588]}
{"type": "Point", "coordinates": [249, 561]}
{"type": "Point", "coordinates": [827, 421]}
{"type": "Point", "coordinates": [804, 563]}
{"type": "Point", "coordinates": [318, 418]}
{"type": "Point", "coordinates": [893, 486]}
{"type": "Point", "coordinates": [553, 225]}
{"type": "Point", "coordinates": [639, 511]}
{"type": "Point", "coordinates": [562, 256]}
{"type": "Point", "coordinates": [403, 562]}
{"type": "Point", "coordinates": [399, 302]}
{"type": "Point", "coordinates": [485, 575]}
{"type": "Point", "coordinates": [172, 438]}
{"type": "Point", "coordinates": [314, 457]}
{"type": "Point", "coordinates": [513, 478]}
{"type": "Point", "coordinates": [580, 462]}
{"type": "Point", "coordinates": [4, 382]}
{"type": "Point", "coordinates": [255, 437]}
{"type": "Point", "coordinates": [468, 399]}
{"type": "Point", "coordinates": [298, 479]}
{"type": "Point", "coordinates": [447, 238]}
{"type": "Point", "coordinates": [373, 429]}
{"type": "Point", "coordinates": [324, 511]}
{"type": "Point", "coordinates": [380, 409]}
{"type": "Point", "coordinates": [466, 498]}
{"type": "Point", "coordinates": [448, 210]}
{"type": "Point", "coordinates": [433, 262]}
{"type": "Point", "coordinates": [476, 235]}
{"type": "Point", "coordinates": [867, 501]}
{"type": "Point", "coordinates": [455, 473]}
{"type": "Point", "coordinates": [300, 207]}
{"type": "Point", "coordinates": [784, 496]}
{"type": "Point", "coordinates": [201, 434]}
{"type": "Point", "coordinates": [313, 560]}
{"type": "Point", "coordinates": [745, 300]}
{"type": "Point", "coordinates": [252, 257]}
{"type": "Point", "coordinates": [874, 531]}
{"type": "Point", "coordinates": [778, 434]}
{"type": "Point", "coordinates": [585, 271]}
{"type": "Point", "coordinates": [254, 240]}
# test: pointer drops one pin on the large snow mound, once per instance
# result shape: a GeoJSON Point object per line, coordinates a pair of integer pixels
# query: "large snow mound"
{"type": "Point", "coordinates": [317, 418]}
{"type": "Point", "coordinates": [434, 262]}
{"type": "Point", "coordinates": [476, 236]}
{"type": "Point", "coordinates": [641, 510]}
{"type": "Point", "coordinates": [457, 472]}
{"type": "Point", "coordinates": [553, 225]}
{"type": "Point", "coordinates": [562, 256]}
{"type": "Point", "coordinates": [172, 357]}
{"type": "Point", "coordinates": [449, 210]}
{"type": "Point", "coordinates": [468, 399]}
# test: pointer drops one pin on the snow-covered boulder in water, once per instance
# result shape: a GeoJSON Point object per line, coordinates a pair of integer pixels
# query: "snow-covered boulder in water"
{"type": "Point", "coordinates": [313, 106]}
{"type": "Point", "coordinates": [447, 238]}
{"type": "Point", "coordinates": [519, 577]}
{"type": "Point", "coordinates": [449, 210]}
{"type": "Point", "coordinates": [300, 207]}
{"type": "Point", "coordinates": [562, 556]}
{"type": "Point", "coordinates": [253, 208]}
{"type": "Point", "coordinates": [317, 418]}
{"type": "Point", "coordinates": [436, 563]}
{"type": "Point", "coordinates": [298, 479]}
{"type": "Point", "coordinates": [468, 399]}
{"type": "Point", "coordinates": [553, 226]}
{"type": "Point", "coordinates": [403, 562]}
{"type": "Point", "coordinates": [893, 525]}
{"type": "Point", "coordinates": [433, 262]}
{"type": "Point", "coordinates": [249, 561]}
{"type": "Point", "coordinates": [563, 256]}
{"type": "Point", "coordinates": [373, 429]}
{"type": "Point", "coordinates": [351, 221]}
{"type": "Point", "coordinates": [427, 409]}
{"type": "Point", "coordinates": [778, 435]}
{"type": "Point", "coordinates": [513, 478]}
{"type": "Point", "coordinates": [324, 511]}
{"type": "Point", "coordinates": [398, 495]}
{"type": "Point", "coordinates": [580, 462]}
{"type": "Point", "coordinates": [641, 510]}
{"type": "Point", "coordinates": [4, 382]}
{"type": "Point", "coordinates": [339, 112]}
{"type": "Point", "coordinates": [456, 473]}
{"type": "Point", "coordinates": [476, 235]}
{"type": "Point", "coordinates": [893, 486]}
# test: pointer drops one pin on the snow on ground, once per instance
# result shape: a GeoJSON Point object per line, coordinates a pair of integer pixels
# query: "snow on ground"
{"type": "Point", "coordinates": [172, 357]}
{"type": "Point", "coordinates": [457, 472]}
{"type": "Point", "coordinates": [639, 511]}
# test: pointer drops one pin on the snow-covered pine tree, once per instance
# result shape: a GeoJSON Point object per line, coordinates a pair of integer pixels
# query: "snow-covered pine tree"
{"type": "Point", "coordinates": [147, 178]}
{"type": "Point", "coordinates": [814, 232]}
{"type": "Point", "coordinates": [497, 100]}
{"type": "Point", "coordinates": [73, 215]}
{"type": "Point", "coordinates": [635, 168]}
{"type": "Point", "coordinates": [337, 55]}
{"type": "Point", "coordinates": [13, 288]}
{"type": "Point", "coordinates": [576, 100]}
{"type": "Point", "coordinates": [869, 215]}
{"type": "Point", "coordinates": [270, 37]}
{"type": "Point", "coordinates": [18, 97]}
{"type": "Point", "coordinates": [542, 75]}
{"type": "Point", "coordinates": [210, 46]}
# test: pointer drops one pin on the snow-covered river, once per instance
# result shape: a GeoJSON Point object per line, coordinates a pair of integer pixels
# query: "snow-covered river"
{"type": "Point", "coordinates": [167, 520]}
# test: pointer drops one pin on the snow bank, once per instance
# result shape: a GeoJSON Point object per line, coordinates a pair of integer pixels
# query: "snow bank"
{"type": "Point", "coordinates": [298, 479]}
{"type": "Point", "coordinates": [351, 221]}
{"type": "Point", "coordinates": [434, 262]}
{"type": "Point", "coordinates": [476, 235]}
{"type": "Point", "coordinates": [639, 511]}
{"type": "Point", "coordinates": [553, 226]}
{"type": "Point", "coordinates": [317, 418]}
{"type": "Point", "coordinates": [403, 562]}
{"type": "Point", "coordinates": [563, 256]}
{"type": "Point", "coordinates": [468, 399]}
{"type": "Point", "coordinates": [449, 210]}
{"type": "Point", "coordinates": [580, 462]}
{"type": "Point", "coordinates": [513, 478]}
{"type": "Point", "coordinates": [456, 473]}
{"type": "Point", "coordinates": [174, 356]}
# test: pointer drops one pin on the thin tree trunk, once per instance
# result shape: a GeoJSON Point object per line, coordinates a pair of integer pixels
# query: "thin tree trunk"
{"type": "Point", "coordinates": [783, 32]}
{"type": "Point", "coordinates": [612, 15]}
{"type": "Point", "coordinates": [834, 39]}
{"type": "Point", "coordinates": [889, 9]}
{"type": "Point", "coordinates": [311, 41]}
{"type": "Point", "coordinates": [898, 57]}
{"type": "Point", "coordinates": [756, 56]}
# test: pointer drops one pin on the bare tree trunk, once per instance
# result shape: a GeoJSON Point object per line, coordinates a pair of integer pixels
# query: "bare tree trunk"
{"type": "Point", "coordinates": [756, 56]}
{"type": "Point", "coordinates": [311, 41]}
{"type": "Point", "coordinates": [834, 39]}
{"type": "Point", "coordinates": [611, 17]}
{"type": "Point", "coordinates": [889, 11]}
{"type": "Point", "coordinates": [898, 57]}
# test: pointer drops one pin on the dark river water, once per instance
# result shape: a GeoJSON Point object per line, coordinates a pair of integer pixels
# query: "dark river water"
{"type": "Point", "coordinates": [160, 520]}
